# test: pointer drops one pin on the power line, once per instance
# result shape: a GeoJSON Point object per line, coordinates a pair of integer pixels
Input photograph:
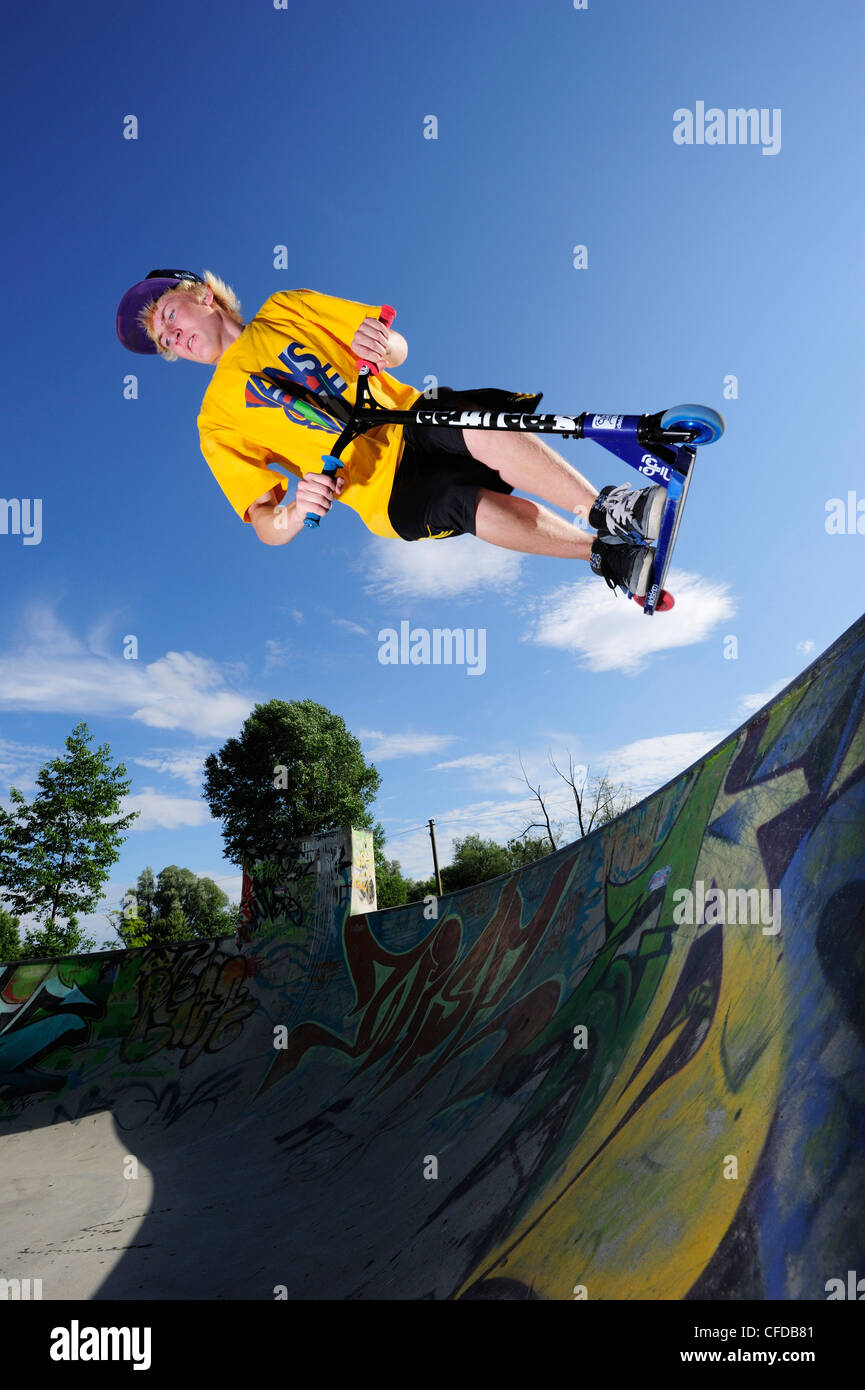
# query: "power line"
{"type": "Point", "coordinates": [498, 814]}
{"type": "Point", "coordinates": [400, 833]}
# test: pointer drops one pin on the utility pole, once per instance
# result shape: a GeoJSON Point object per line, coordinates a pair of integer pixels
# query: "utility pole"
{"type": "Point", "coordinates": [432, 835]}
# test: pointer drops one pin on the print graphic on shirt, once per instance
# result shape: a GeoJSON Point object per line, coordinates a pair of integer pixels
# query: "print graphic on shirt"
{"type": "Point", "coordinates": [273, 387]}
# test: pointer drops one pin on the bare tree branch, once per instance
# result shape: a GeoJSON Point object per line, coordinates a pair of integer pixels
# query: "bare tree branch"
{"type": "Point", "coordinates": [537, 825]}
{"type": "Point", "coordinates": [597, 800]}
{"type": "Point", "coordinates": [570, 780]}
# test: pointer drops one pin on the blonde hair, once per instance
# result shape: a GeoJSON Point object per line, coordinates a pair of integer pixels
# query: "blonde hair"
{"type": "Point", "coordinates": [223, 295]}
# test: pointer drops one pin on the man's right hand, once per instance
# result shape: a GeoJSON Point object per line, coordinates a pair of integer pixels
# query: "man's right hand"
{"type": "Point", "coordinates": [276, 525]}
{"type": "Point", "coordinates": [316, 491]}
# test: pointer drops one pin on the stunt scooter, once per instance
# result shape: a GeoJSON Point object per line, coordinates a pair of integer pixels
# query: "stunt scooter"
{"type": "Point", "coordinates": [662, 447]}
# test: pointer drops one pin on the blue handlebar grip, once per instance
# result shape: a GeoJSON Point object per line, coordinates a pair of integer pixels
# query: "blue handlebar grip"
{"type": "Point", "coordinates": [331, 464]}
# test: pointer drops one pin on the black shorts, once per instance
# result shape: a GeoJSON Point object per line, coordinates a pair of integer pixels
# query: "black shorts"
{"type": "Point", "coordinates": [435, 491]}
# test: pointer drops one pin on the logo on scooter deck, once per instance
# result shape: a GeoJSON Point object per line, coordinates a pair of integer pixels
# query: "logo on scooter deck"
{"type": "Point", "coordinates": [651, 597]}
{"type": "Point", "coordinates": [653, 468]}
{"type": "Point", "coordinates": [607, 422]}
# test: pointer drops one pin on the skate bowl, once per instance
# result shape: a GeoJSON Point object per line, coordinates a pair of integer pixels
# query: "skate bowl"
{"type": "Point", "coordinates": [632, 1070]}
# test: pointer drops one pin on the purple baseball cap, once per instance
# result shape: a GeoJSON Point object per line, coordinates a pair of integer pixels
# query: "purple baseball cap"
{"type": "Point", "coordinates": [158, 282]}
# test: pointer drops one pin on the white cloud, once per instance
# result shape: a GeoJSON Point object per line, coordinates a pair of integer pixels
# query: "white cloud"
{"type": "Point", "coordinates": [51, 671]}
{"type": "Point", "coordinates": [749, 704]}
{"type": "Point", "coordinates": [184, 764]}
{"type": "Point", "coordinates": [461, 565]}
{"type": "Point", "coordinates": [350, 626]}
{"type": "Point", "coordinates": [479, 762]}
{"type": "Point", "coordinates": [608, 632]}
{"type": "Point", "coordinates": [648, 763]}
{"type": "Point", "coordinates": [493, 820]}
{"type": "Point", "coordinates": [162, 812]}
{"type": "Point", "coordinates": [380, 746]}
{"type": "Point", "coordinates": [183, 690]}
{"type": "Point", "coordinates": [20, 763]}
{"type": "Point", "coordinates": [507, 772]}
{"type": "Point", "coordinates": [277, 654]}
{"type": "Point", "coordinates": [805, 647]}
{"type": "Point", "coordinates": [641, 766]}
{"type": "Point", "coordinates": [101, 637]}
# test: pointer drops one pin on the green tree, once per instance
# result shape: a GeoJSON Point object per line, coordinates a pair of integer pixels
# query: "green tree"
{"type": "Point", "coordinates": [294, 770]}
{"type": "Point", "coordinates": [474, 861]}
{"type": "Point", "coordinates": [202, 903]}
{"type": "Point", "coordinates": [178, 906]}
{"type": "Point", "coordinates": [391, 886]}
{"type": "Point", "coordinates": [57, 850]}
{"type": "Point", "coordinates": [421, 888]}
{"type": "Point", "coordinates": [10, 941]}
{"type": "Point", "coordinates": [144, 897]}
{"type": "Point", "coordinates": [174, 927]}
{"type": "Point", "coordinates": [129, 926]}
{"type": "Point", "coordinates": [526, 849]}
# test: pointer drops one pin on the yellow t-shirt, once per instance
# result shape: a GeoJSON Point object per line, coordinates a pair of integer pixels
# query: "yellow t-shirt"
{"type": "Point", "coordinates": [246, 422]}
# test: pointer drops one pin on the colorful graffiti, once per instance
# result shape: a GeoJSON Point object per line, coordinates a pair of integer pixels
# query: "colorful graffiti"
{"type": "Point", "coordinates": [176, 1003]}
{"type": "Point", "coordinates": [41, 1009]}
{"type": "Point", "coordinates": [633, 1081]}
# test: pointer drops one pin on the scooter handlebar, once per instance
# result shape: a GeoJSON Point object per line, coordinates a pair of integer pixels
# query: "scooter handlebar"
{"type": "Point", "coordinates": [387, 316]}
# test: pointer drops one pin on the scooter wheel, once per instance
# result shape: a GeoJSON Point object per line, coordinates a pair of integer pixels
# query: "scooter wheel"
{"type": "Point", "coordinates": [707, 423]}
{"type": "Point", "coordinates": [664, 604]}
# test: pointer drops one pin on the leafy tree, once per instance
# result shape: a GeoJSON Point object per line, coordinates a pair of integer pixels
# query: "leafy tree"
{"type": "Point", "coordinates": [144, 896]}
{"type": "Point", "coordinates": [55, 939]}
{"type": "Point", "coordinates": [421, 888]}
{"type": "Point", "coordinates": [10, 942]}
{"type": "Point", "coordinates": [173, 927]}
{"type": "Point", "coordinates": [294, 770]}
{"type": "Point", "coordinates": [130, 927]}
{"type": "Point", "coordinates": [202, 903]}
{"type": "Point", "coordinates": [177, 906]}
{"type": "Point", "coordinates": [526, 849]}
{"type": "Point", "coordinates": [57, 850]}
{"type": "Point", "coordinates": [474, 861]}
{"type": "Point", "coordinates": [391, 886]}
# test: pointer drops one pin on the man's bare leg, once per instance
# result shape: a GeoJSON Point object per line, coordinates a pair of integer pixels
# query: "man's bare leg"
{"type": "Point", "coordinates": [517, 523]}
{"type": "Point", "coordinates": [528, 463]}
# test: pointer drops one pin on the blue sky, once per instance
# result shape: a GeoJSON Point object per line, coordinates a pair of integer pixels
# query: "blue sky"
{"type": "Point", "coordinates": [256, 129]}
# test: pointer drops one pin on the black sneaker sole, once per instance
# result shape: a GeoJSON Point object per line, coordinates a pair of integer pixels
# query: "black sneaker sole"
{"type": "Point", "coordinates": [641, 573]}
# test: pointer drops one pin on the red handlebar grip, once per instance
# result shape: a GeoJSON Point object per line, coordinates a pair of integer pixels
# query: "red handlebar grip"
{"type": "Point", "coordinates": [387, 316]}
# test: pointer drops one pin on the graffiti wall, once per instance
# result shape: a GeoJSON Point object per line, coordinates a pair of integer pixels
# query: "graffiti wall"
{"type": "Point", "coordinates": [331, 875]}
{"type": "Point", "coordinates": [632, 1070]}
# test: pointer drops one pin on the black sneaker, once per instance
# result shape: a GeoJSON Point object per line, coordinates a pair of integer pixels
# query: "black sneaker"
{"type": "Point", "coordinates": [632, 514]}
{"type": "Point", "coordinates": [623, 566]}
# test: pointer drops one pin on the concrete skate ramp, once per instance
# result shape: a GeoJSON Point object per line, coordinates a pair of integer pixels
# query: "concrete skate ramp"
{"type": "Point", "coordinates": [575, 1077]}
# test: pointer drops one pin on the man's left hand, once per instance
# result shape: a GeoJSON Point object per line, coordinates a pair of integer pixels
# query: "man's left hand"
{"type": "Point", "coordinates": [371, 342]}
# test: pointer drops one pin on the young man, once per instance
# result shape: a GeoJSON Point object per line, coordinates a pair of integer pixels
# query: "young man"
{"type": "Point", "coordinates": [283, 383]}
